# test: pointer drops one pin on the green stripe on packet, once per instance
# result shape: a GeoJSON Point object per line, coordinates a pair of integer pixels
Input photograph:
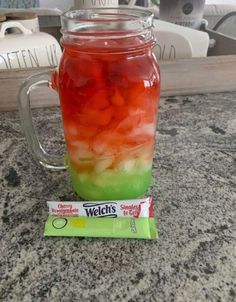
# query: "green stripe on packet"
{"type": "Point", "coordinates": [124, 227]}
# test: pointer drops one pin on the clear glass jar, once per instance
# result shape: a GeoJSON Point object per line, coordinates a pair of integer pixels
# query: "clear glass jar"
{"type": "Point", "coordinates": [109, 85]}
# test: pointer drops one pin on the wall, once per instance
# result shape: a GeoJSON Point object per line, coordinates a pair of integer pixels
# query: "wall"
{"type": "Point", "coordinates": [61, 4]}
{"type": "Point", "coordinates": [19, 3]}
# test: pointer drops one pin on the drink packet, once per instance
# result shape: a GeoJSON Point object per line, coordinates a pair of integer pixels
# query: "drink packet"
{"type": "Point", "coordinates": [113, 209]}
{"type": "Point", "coordinates": [114, 219]}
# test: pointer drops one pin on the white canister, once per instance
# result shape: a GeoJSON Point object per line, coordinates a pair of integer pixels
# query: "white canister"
{"type": "Point", "coordinates": [28, 49]}
{"type": "Point", "coordinates": [28, 19]}
{"type": "Point", "coordinates": [187, 13]}
{"type": "Point", "coordinates": [83, 4]}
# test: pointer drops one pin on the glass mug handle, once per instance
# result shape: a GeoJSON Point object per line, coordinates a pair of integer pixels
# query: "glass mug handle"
{"type": "Point", "coordinates": [36, 81]}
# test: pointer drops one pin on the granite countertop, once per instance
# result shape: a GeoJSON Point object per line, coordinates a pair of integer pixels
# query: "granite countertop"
{"type": "Point", "coordinates": [195, 199]}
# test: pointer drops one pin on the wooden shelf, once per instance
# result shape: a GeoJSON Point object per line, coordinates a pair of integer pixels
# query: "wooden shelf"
{"type": "Point", "coordinates": [180, 77]}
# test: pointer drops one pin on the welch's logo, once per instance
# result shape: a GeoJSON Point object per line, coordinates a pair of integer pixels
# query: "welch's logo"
{"type": "Point", "coordinates": [106, 209]}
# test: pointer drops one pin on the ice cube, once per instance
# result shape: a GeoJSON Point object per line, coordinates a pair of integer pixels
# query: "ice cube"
{"type": "Point", "coordinates": [126, 165]}
{"type": "Point", "coordinates": [103, 164]}
{"type": "Point", "coordinates": [105, 142]}
{"type": "Point", "coordinates": [146, 129]}
{"type": "Point", "coordinates": [80, 150]}
{"type": "Point", "coordinates": [99, 147]}
{"type": "Point", "coordinates": [70, 130]}
{"type": "Point", "coordinates": [144, 164]}
{"type": "Point", "coordinates": [104, 179]}
{"type": "Point", "coordinates": [83, 176]}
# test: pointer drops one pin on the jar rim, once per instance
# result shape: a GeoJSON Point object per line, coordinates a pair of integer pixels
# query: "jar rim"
{"type": "Point", "coordinates": [106, 20]}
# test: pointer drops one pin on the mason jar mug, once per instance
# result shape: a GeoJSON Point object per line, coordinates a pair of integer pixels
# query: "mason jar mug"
{"type": "Point", "coordinates": [108, 83]}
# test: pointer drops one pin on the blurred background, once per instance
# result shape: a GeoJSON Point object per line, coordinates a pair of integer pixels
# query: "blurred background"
{"type": "Point", "coordinates": [63, 5]}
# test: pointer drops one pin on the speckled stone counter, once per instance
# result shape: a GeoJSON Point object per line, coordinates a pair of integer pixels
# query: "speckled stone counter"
{"type": "Point", "coordinates": [194, 189]}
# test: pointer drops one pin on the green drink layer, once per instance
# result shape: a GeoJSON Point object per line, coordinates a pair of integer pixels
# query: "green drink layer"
{"type": "Point", "coordinates": [110, 184]}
